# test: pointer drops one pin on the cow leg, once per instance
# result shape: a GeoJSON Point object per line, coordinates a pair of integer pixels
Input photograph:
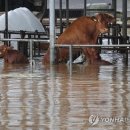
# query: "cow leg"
{"type": "Point", "coordinates": [46, 57]}
{"type": "Point", "coordinates": [87, 54]}
{"type": "Point", "coordinates": [95, 56]}
{"type": "Point", "coordinates": [92, 55]}
{"type": "Point", "coordinates": [9, 59]}
{"type": "Point", "coordinates": [63, 55]}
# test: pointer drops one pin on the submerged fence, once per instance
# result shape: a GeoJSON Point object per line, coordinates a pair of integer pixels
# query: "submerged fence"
{"type": "Point", "coordinates": [69, 46]}
{"type": "Point", "coordinates": [30, 41]}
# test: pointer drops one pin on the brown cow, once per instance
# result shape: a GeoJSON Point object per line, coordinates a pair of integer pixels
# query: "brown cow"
{"type": "Point", "coordinates": [12, 56]}
{"type": "Point", "coordinates": [84, 30]}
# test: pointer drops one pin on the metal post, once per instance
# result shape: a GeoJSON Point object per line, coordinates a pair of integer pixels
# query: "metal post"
{"type": "Point", "coordinates": [52, 29]}
{"type": "Point", "coordinates": [114, 4]}
{"type": "Point", "coordinates": [124, 18]}
{"type": "Point", "coordinates": [6, 18]}
{"type": "Point", "coordinates": [32, 62]}
{"type": "Point", "coordinates": [85, 4]}
{"type": "Point", "coordinates": [67, 12]}
{"type": "Point", "coordinates": [60, 12]}
{"type": "Point", "coordinates": [70, 57]}
{"type": "Point", "coordinates": [31, 55]}
{"type": "Point", "coordinates": [124, 25]}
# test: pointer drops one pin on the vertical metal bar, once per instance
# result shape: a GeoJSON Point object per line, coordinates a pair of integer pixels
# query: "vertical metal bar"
{"type": "Point", "coordinates": [60, 12]}
{"type": "Point", "coordinates": [124, 25]}
{"type": "Point", "coordinates": [70, 57]}
{"type": "Point", "coordinates": [124, 18]}
{"type": "Point", "coordinates": [67, 12]}
{"type": "Point", "coordinates": [114, 4]}
{"type": "Point", "coordinates": [31, 54]}
{"type": "Point", "coordinates": [52, 29]}
{"type": "Point", "coordinates": [85, 4]}
{"type": "Point", "coordinates": [6, 18]}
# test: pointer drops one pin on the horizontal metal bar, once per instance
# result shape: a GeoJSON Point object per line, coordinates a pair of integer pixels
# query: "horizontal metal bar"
{"type": "Point", "coordinates": [25, 40]}
{"type": "Point", "coordinates": [22, 31]}
{"type": "Point", "coordinates": [91, 45]}
{"type": "Point", "coordinates": [66, 45]}
{"type": "Point", "coordinates": [107, 10]}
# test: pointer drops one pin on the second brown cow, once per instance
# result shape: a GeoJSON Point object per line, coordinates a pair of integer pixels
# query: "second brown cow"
{"type": "Point", "coordinates": [12, 56]}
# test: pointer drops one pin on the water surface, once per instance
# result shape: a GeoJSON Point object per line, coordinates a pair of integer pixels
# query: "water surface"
{"type": "Point", "coordinates": [53, 98]}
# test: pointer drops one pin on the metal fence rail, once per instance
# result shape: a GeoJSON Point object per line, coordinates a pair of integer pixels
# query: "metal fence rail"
{"type": "Point", "coordinates": [90, 45]}
{"type": "Point", "coordinates": [30, 41]}
{"type": "Point", "coordinates": [70, 46]}
{"type": "Point", "coordinates": [25, 40]}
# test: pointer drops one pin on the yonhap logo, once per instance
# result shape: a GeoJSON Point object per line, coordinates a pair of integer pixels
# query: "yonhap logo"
{"type": "Point", "coordinates": [94, 120]}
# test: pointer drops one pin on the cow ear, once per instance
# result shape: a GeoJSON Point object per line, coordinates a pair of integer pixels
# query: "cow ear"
{"type": "Point", "coordinates": [98, 16]}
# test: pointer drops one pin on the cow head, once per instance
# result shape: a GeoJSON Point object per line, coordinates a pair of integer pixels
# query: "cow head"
{"type": "Point", "coordinates": [4, 49]}
{"type": "Point", "coordinates": [103, 21]}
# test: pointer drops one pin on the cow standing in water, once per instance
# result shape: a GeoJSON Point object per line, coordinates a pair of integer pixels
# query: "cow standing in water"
{"type": "Point", "coordinates": [12, 56]}
{"type": "Point", "coordinates": [84, 30]}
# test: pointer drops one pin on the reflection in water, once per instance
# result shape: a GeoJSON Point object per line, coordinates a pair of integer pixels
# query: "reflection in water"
{"type": "Point", "coordinates": [53, 99]}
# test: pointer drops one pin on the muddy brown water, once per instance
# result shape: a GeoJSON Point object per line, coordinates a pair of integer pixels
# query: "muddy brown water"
{"type": "Point", "coordinates": [53, 98]}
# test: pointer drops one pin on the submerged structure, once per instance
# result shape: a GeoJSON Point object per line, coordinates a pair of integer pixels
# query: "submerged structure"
{"type": "Point", "coordinates": [61, 14]}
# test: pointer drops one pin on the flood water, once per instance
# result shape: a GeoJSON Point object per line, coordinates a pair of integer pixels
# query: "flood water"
{"type": "Point", "coordinates": [53, 98]}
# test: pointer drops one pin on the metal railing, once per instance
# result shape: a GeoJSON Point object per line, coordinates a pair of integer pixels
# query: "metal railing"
{"type": "Point", "coordinates": [89, 45]}
{"type": "Point", "coordinates": [30, 41]}
{"type": "Point", "coordinates": [70, 46]}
